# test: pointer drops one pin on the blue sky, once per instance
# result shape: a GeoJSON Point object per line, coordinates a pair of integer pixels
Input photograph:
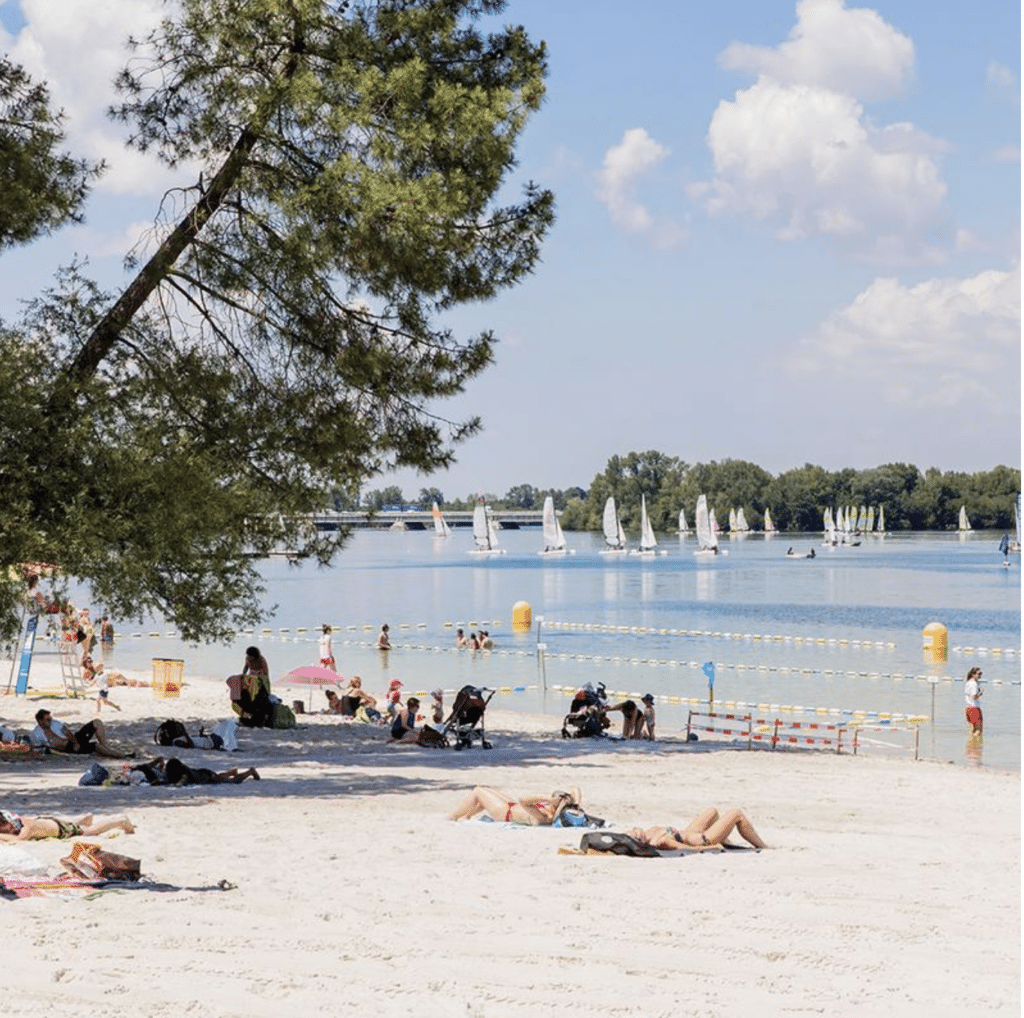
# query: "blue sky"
{"type": "Point", "coordinates": [787, 233]}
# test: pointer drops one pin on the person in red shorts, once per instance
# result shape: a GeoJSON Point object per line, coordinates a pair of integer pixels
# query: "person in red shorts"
{"type": "Point", "coordinates": [972, 698]}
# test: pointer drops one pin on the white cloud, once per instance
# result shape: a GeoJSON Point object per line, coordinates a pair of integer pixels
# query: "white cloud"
{"type": "Point", "coordinates": [999, 76]}
{"type": "Point", "coordinates": [834, 48]}
{"type": "Point", "coordinates": [624, 164]}
{"type": "Point", "coordinates": [1007, 154]}
{"type": "Point", "coordinates": [939, 343]}
{"type": "Point", "coordinates": [797, 147]}
{"type": "Point", "coordinates": [77, 48]}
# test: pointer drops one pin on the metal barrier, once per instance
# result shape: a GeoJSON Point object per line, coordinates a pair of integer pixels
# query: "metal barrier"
{"type": "Point", "coordinates": [775, 731]}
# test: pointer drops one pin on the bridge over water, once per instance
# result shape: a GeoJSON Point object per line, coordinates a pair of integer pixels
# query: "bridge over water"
{"type": "Point", "coordinates": [402, 519]}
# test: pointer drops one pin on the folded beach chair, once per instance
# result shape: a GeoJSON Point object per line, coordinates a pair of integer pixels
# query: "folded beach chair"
{"type": "Point", "coordinates": [466, 721]}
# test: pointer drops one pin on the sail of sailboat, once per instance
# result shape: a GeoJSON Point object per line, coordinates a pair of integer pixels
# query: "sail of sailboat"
{"type": "Point", "coordinates": [614, 536]}
{"type": "Point", "coordinates": [441, 528]}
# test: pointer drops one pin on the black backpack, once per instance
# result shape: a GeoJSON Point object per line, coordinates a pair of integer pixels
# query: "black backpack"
{"type": "Point", "coordinates": [172, 733]}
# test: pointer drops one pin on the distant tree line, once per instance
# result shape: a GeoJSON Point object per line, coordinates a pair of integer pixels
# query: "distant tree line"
{"type": "Point", "coordinates": [912, 499]}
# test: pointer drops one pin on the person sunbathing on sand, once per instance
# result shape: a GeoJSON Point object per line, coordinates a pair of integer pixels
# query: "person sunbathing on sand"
{"type": "Point", "coordinates": [709, 830]}
{"type": "Point", "coordinates": [15, 828]}
{"type": "Point", "coordinates": [177, 773]}
{"type": "Point", "coordinates": [535, 810]}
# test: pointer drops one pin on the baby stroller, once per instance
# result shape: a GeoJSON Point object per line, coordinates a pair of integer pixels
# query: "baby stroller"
{"type": "Point", "coordinates": [587, 713]}
{"type": "Point", "coordinates": [466, 720]}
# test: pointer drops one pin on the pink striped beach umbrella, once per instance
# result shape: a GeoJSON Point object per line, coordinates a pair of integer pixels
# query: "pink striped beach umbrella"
{"type": "Point", "coordinates": [311, 675]}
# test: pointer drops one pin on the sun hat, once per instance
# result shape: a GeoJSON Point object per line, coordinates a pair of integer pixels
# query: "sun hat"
{"type": "Point", "coordinates": [647, 698]}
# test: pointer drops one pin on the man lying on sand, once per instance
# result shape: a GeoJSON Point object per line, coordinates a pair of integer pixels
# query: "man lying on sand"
{"type": "Point", "coordinates": [16, 828]}
{"type": "Point", "coordinates": [173, 772]}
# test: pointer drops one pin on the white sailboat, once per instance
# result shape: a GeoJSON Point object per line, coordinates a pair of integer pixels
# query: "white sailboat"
{"type": "Point", "coordinates": [614, 536]}
{"type": "Point", "coordinates": [871, 518]}
{"type": "Point", "coordinates": [964, 523]}
{"type": "Point", "coordinates": [707, 539]}
{"type": "Point", "coordinates": [769, 524]}
{"type": "Point", "coordinates": [1015, 545]}
{"type": "Point", "coordinates": [683, 528]}
{"type": "Point", "coordinates": [732, 521]}
{"type": "Point", "coordinates": [881, 519]}
{"type": "Point", "coordinates": [742, 526]}
{"type": "Point", "coordinates": [831, 536]}
{"type": "Point", "coordinates": [554, 539]}
{"type": "Point", "coordinates": [484, 536]}
{"type": "Point", "coordinates": [648, 542]}
{"type": "Point", "coordinates": [441, 528]}
{"type": "Point", "coordinates": [862, 518]}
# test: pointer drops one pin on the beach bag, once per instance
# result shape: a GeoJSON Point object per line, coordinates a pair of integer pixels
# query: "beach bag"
{"type": "Point", "coordinates": [573, 816]}
{"type": "Point", "coordinates": [225, 731]}
{"type": "Point", "coordinates": [90, 861]}
{"type": "Point", "coordinates": [282, 717]}
{"type": "Point", "coordinates": [431, 737]}
{"type": "Point", "coordinates": [97, 774]}
{"type": "Point", "coordinates": [616, 844]}
{"type": "Point", "coordinates": [172, 733]}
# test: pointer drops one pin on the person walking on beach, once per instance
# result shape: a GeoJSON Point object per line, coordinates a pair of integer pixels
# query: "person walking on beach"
{"type": "Point", "coordinates": [972, 700]}
{"type": "Point", "coordinates": [326, 651]}
{"type": "Point", "coordinates": [102, 689]}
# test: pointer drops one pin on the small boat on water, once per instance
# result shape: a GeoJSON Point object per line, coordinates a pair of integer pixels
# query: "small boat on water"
{"type": "Point", "coordinates": [769, 525]}
{"type": "Point", "coordinates": [614, 535]}
{"type": "Point", "coordinates": [742, 527]}
{"type": "Point", "coordinates": [441, 528]}
{"type": "Point", "coordinates": [554, 539]}
{"type": "Point", "coordinates": [964, 524]}
{"type": "Point", "coordinates": [683, 528]}
{"type": "Point", "coordinates": [485, 536]}
{"type": "Point", "coordinates": [881, 520]}
{"type": "Point", "coordinates": [801, 554]}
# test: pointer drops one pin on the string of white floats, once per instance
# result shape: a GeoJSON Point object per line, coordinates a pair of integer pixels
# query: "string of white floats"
{"type": "Point", "coordinates": [807, 641]}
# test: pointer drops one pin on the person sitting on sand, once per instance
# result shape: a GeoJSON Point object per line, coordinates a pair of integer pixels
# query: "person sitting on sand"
{"type": "Point", "coordinates": [16, 828]}
{"type": "Point", "coordinates": [709, 830]}
{"type": "Point", "coordinates": [250, 691]}
{"type": "Point", "coordinates": [403, 728]}
{"type": "Point", "coordinates": [177, 773]}
{"type": "Point", "coordinates": [358, 697]}
{"type": "Point", "coordinates": [534, 810]}
{"type": "Point", "coordinates": [50, 733]}
{"type": "Point", "coordinates": [333, 703]}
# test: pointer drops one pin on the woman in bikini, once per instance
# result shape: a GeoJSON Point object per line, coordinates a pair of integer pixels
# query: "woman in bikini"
{"type": "Point", "coordinates": [534, 810]}
{"type": "Point", "coordinates": [709, 830]}
{"type": "Point", "coordinates": [16, 828]}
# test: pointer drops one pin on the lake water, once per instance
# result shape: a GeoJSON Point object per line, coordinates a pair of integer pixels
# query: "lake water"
{"type": "Point", "coordinates": [841, 633]}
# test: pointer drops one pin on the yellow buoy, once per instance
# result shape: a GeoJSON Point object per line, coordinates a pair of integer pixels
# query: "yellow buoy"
{"type": "Point", "coordinates": [522, 616]}
{"type": "Point", "coordinates": [935, 639]}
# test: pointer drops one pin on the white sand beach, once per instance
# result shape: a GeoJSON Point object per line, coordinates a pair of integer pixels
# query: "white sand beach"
{"type": "Point", "coordinates": [891, 887]}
